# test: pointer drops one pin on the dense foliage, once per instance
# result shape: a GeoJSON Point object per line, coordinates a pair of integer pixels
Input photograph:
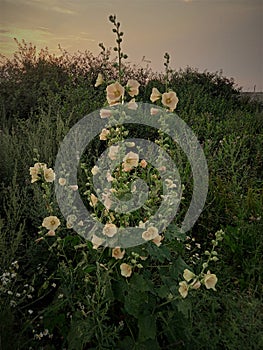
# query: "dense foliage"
{"type": "Point", "coordinates": [61, 293]}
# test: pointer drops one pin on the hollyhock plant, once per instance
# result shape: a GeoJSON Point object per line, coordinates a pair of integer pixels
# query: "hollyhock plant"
{"type": "Point", "coordinates": [105, 269]}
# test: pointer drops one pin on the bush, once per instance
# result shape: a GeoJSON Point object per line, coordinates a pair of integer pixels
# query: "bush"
{"type": "Point", "coordinates": [59, 292]}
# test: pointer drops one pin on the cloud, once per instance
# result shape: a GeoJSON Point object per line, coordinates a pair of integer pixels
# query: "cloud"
{"type": "Point", "coordinates": [41, 37]}
{"type": "Point", "coordinates": [47, 5]}
{"type": "Point", "coordinates": [35, 36]}
{"type": "Point", "coordinates": [63, 10]}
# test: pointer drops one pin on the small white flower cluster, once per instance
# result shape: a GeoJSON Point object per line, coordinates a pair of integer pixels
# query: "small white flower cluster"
{"type": "Point", "coordinates": [42, 334]}
{"type": "Point", "coordinates": [8, 277]}
{"type": "Point", "coordinates": [8, 286]}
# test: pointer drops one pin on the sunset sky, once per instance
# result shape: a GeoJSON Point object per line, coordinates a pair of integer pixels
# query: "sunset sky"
{"type": "Point", "coordinates": [203, 34]}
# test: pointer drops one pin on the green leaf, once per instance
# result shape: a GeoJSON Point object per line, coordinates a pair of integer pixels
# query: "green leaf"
{"type": "Point", "coordinates": [147, 327]}
{"type": "Point", "coordinates": [147, 344]}
{"type": "Point", "coordinates": [141, 284]}
{"type": "Point", "coordinates": [185, 307]}
{"type": "Point", "coordinates": [163, 291]}
{"type": "Point", "coordinates": [136, 302]}
{"type": "Point", "coordinates": [178, 267]}
{"type": "Point", "coordinates": [126, 343]}
{"type": "Point", "coordinates": [160, 253]}
{"type": "Point", "coordinates": [173, 232]}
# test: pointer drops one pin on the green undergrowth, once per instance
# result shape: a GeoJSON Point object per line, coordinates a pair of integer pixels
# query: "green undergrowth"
{"type": "Point", "coordinates": [65, 286]}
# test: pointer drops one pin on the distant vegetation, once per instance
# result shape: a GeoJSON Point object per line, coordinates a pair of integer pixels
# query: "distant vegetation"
{"type": "Point", "coordinates": [41, 98]}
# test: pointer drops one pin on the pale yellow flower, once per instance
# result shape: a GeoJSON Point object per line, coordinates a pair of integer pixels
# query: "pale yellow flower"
{"type": "Point", "coordinates": [210, 280]}
{"type": "Point", "coordinates": [133, 188]}
{"type": "Point", "coordinates": [150, 234]}
{"type": "Point", "coordinates": [62, 181]}
{"type": "Point", "coordinates": [195, 284]}
{"type": "Point", "coordinates": [96, 241]}
{"type": "Point", "coordinates": [132, 105]}
{"type": "Point", "coordinates": [183, 289]}
{"type": "Point", "coordinates": [170, 100]}
{"type": "Point", "coordinates": [146, 236]}
{"type": "Point", "coordinates": [95, 170]}
{"type": "Point", "coordinates": [188, 275]}
{"type": "Point", "coordinates": [113, 152]}
{"type": "Point", "coordinates": [34, 174]}
{"type": "Point", "coordinates": [157, 240]}
{"type": "Point", "coordinates": [143, 258]}
{"type": "Point", "coordinates": [162, 168]}
{"type": "Point", "coordinates": [155, 95]}
{"type": "Point", "coordinates": [36, 170]}
{"type": "Point", "coordinates": [126, 270]}
{"type": "Point", "coordinates": [93, 200]}
{"type": "Point", "coordinates": [141, 224]}
{"type": "Point", "coordinates": [40, 166]}
{"type": "Point", "coordinates": [114, 92]}
{"type": "Point", "coordinates": [154, 111]}
{"type": "Point", "coordinates": [51, 233]}
{"type": "Point", "coordinates": [143, 163]}
{"type": "Point", "coordinates": [49, 175]}
{"type": "Point", "coordinates": [130, 144]}
{"type": "Point", "coordinates": [34, 178]}
{"type": "Point", "coordinates": [105, 113]}
{"type": "Point", "coordinates": [51, 223]}
{"type": "Point", "coordinates": [133, 87]}
{"type": "Point", "coordinates": [130, 161]}
{"type": "Point", "coordinates": [109, 177]}
{"type": "Point", "coordinates": [170, 183]}
{"type": "Point", "coordinates": [99, 80]}
{"type": "Point", "coordinates": [109, 230]}
{"type": "Point", "coordinates": [69, 224]}
{"type": "Point", "coordinates": [70, 220]}
{"type": "Point", "coordinates": [153, 231]}
{"type": "Point", "coordinates": [74, 187]}
{"type": "Point", "coordinates": [117, 253]}
{"type": "Point", "coordinates": [104, 133]}
{"type": "Point", "coordinates": [107, 200]}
